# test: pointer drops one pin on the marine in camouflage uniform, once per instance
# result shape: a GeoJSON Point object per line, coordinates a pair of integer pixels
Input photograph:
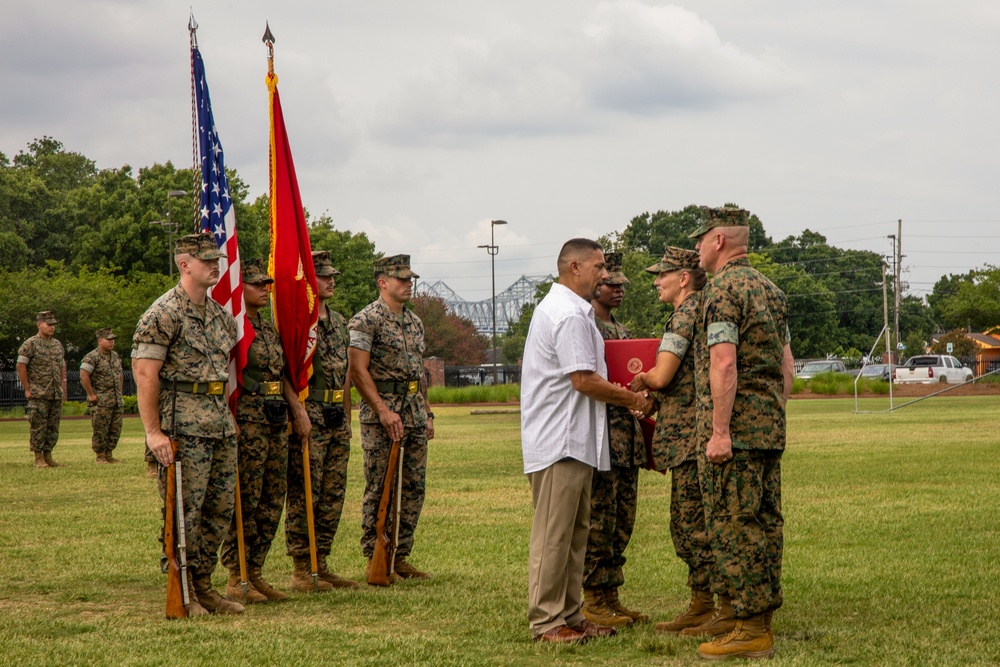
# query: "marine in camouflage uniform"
{"type": "Point", "coordinates": [187, 345]}
{"type": "Point", "coordinates": [101, 377]}
{"type": "Point", "coordinates": [387, 346]}
{"type": "Point", "coordinates": [614, 492]}
{"type": "Point", "coordinates": [329, 411]}
{"type": "Point", "coordinates": [41, 368]}
{"type": "Point", "coordinates": [262, 416]}
{"type": "Point", "coordinates": [679, 282]}
{"type": "Point", "coordinates": [741, 480]}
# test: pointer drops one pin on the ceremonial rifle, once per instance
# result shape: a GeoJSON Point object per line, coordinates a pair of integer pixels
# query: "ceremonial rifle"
{"type": "Point", "coordinates": [175, 548]}
{"type": "Point", "coordinates": [383, 558]}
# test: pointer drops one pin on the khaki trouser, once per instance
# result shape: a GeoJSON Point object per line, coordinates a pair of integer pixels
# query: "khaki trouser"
{"type": "Point", "coordinates": [561, 496]}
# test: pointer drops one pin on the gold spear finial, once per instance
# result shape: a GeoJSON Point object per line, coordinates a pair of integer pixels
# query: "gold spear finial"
{"type": "Point", "coordinates": [268, 39]}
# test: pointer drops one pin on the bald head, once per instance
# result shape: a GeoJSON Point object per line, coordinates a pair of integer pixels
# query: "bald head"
{"type": "Point", "coordinates": [575, 250]}
{"type": "Point", "coordinates": [721, 244]}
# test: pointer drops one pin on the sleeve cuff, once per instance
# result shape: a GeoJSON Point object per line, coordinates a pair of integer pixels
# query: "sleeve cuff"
{"type": "Point", "coordinates": [723, 332]}
{"type": "Point", "coordinates": [674, 344]}
{"type": "Point", "coordinates": [150, 351]}
{"type": "Point", "coordinates": [86, 367]}
{"type": "Point", "coordinates": [21, 359]}
{"type": "Point", "coordinates": [361, 340]}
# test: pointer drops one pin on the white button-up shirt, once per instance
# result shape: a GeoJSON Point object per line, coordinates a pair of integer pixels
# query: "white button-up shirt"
{"type": "Point", "coordinates": [557, 421]}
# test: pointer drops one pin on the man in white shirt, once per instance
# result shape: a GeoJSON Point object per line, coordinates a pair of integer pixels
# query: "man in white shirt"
{"type": "Point", "coordinates": [564, 437]}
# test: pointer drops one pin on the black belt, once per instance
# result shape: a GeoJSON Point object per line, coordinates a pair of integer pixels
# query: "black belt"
{"type": "Point", "coordinates": [326, 395]}
{"type": "Point", "coordinates": [399, 387]}
{"type": "Point", "coordinates": [217, 388]}
{"type": "Point", "coordinates": [264, 389]}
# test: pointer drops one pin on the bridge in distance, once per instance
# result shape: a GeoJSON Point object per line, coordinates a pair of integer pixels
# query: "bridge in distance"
{"type": "Point", "coordinates": [509, 302]}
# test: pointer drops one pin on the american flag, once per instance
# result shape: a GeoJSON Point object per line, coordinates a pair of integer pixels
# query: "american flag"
{"type": "Point", "coordinates": [219, 219]}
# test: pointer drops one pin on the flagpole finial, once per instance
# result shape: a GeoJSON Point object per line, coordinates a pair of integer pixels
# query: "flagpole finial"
{"type": "Point", "coordinates": [268, 39]}
{"type": "Point", "coordinates": [193, 28]}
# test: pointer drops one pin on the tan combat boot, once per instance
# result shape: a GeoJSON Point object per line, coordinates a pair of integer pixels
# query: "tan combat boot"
{"type": "Point", "coordinates": [302, 580]}
{"type": "Point", "coordinates": [212, 601]}
{"type": "Point", "coordinates": [768, 615]}
{"type": "Point", "coordinates": [101, 458]}
{"type": "Point", "coordinates": [721, 622]}
{"type": "Point", "coordinates": [749, 639]}
{"type": "Point", "coordinates": [700, 610]}
{"type": "Point", "coordinates": [40, 460]}
{"type": "Point", "coordinates": [612, 601]}
{"type": "Point", "coordinates": [193, 607]}
{"type": "Point", "coordinates": [234, 590]}
{"type": "Point", "coordinates": [110, 458]}
{"type": "Point", "coordinates": [152, 470]}
{"type": "Point", "coordinates": [407, 571]}
{"type": "Point", "coordinates": [51, 461]}
{"type": "Point", "coordinates": [334, 580]}
{"type": "Point", "coordinates": [596, 610]}
{"type": "Point", "coordinates": [262, 586]}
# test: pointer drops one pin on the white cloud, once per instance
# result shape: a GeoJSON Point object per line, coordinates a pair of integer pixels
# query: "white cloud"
{"type": "Point", "coordinates": [628, 58]}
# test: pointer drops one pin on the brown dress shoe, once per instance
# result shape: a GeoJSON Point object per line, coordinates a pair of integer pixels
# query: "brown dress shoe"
{"type": "Point", "coordinates": [562, 634]}
{"type": "Point", "coordinates": [592, 630]}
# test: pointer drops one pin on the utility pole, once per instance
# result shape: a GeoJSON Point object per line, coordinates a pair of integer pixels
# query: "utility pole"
{"type": "Point", "coordinates": [899, 266]}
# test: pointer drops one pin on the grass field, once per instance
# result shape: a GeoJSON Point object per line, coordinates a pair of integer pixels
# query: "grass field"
{"type": "Point", "coordinates": [892, 556]}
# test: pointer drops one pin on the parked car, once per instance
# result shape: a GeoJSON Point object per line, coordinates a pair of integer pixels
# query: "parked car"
{"type": "Point", "coordinates": [875, 372]}
{"type": "Point", "coordinates": [816, 367]}
{"type": "Point", "coordinates": [929, 368]}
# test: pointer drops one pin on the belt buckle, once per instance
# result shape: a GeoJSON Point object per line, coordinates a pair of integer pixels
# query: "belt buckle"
{"type": "Point", "coordinates": [272, 388]}
{"type": "Point", "coordinates": [334, 396]}
{"type": "Point", "coordinates": [216, 388]}
{"type": "Point", "coordinates": [412, 385]}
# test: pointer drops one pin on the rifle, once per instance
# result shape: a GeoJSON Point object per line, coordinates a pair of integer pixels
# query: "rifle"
{"type": "Point", "coordinates": [173, 515]}
{"type": "Point", "coordinates": [383, 558]}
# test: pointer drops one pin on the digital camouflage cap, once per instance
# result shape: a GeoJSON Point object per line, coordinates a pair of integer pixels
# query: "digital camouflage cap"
{"type": "Point", "coordinates": [106, 333]}
{"type": "Point", "coordinates": [724, 216]}
{"type": "Point", "coordinates": [397, 266]}
{"type": "Point", "coordinates": [254, 272]}
{"type": "Point", "coordinates": [675, 259]}
{"type": "Point", "coordinates": [322, 264]}
{"type": "Point", "coordinates": [46, 316]}
{"type": "Point", "coordinates": [613, 265]}
{"type": "Point", "coordinates": [199, 246]}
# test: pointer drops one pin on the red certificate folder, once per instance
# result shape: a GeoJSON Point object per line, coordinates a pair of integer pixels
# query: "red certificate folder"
{"type": "Point", "coordinates": [625, 359]}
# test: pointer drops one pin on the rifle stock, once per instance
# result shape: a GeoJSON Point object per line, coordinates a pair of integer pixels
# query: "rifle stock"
{"type": "Point", "coordinates": [175, 588]}
{"type": "Point", "coordinates": [382, 557]}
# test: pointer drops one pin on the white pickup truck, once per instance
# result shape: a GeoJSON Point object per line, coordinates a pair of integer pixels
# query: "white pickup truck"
{"type": "Point", "coordinates": [928, 368]}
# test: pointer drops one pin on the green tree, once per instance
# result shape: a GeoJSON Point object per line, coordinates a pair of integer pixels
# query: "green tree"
{"type": "Point", "coordinates": [354, 256]}
{"type": "Point", "coordinates": [812, 308]}
{"type": "Point", "coordinates": [944, 290]}
{"type": "Point", "coordinates": [976, 303]}
{"type": "Point", "coordinates": [447, 335]}
{"type": "Point", "coordinates": [963, 347]}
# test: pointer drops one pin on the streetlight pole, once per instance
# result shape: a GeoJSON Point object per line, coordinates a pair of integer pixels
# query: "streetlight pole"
{"type": "Point", "coordinates": [170, 227]}
{"type": "Point", "coordinates": [492, 249]}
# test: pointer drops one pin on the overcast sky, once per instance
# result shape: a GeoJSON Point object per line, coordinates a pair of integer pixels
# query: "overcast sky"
{"type": "Point", "coordinates": [418, 122]}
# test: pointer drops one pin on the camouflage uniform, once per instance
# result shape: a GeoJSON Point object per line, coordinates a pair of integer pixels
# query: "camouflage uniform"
{"type": "Point", "coordinates": [44, 360]}
{"type": "Point", "coordinates": [743, 495]}
{"type": "Point", "coordinates": [614, 492]}
{"type": "Point", "coordinates": [674, 442]}
{"type": "Point", "coordinates": [106, 380]}
{"type": "Point", "coordinates": [194, 346]}
{"type": "Point", "coordinates": [329, 447]}
{"type": "Point", "coordinates": [263, 447]}
{"type": "Point", "coordinates": [396, 345]}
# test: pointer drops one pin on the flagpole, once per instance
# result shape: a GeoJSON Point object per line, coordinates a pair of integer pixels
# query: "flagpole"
{"type": "Point", "coordinates": [269, 40]}
{"type": "Point", "coordinates": [195, 167]}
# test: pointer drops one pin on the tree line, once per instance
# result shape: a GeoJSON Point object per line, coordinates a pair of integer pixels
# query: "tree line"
{"type": "Point", "coordinates": [80, 241]}
{"type": "Point", "coordinates": [835, 296]}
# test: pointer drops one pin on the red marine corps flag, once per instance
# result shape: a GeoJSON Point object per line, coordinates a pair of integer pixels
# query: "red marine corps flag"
{"type": "Point", "coordinates": [218, 217]}
{"type": "Point", "coordinates": [294, 304]}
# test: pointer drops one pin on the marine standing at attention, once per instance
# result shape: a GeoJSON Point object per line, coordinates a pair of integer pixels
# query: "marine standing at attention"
{"type": "Point", "coordinates": [180, 355]}
{"type": "Point", "coordinates": [387, 347]}
{"type": "Point", "coordinates": [101, 377]}
{"type": "Point", "coordinates": [41, 368]}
